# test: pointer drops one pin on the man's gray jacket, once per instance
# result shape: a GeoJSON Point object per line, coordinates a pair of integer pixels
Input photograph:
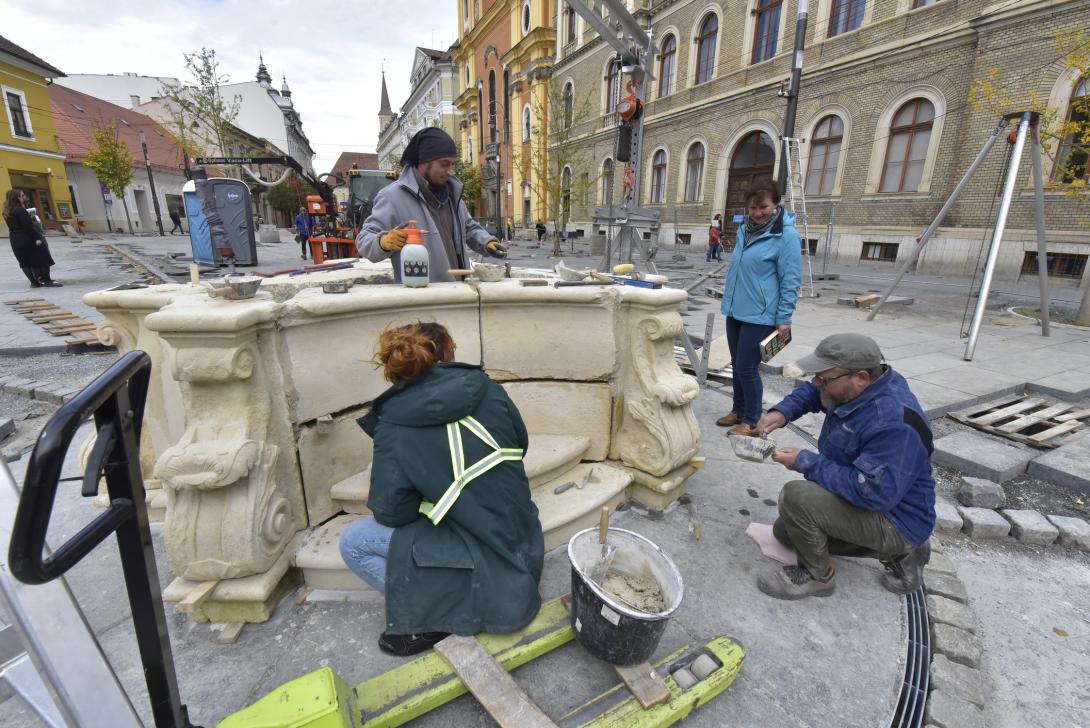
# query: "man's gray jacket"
{"type": "Point", "coordinates": [403, 201]}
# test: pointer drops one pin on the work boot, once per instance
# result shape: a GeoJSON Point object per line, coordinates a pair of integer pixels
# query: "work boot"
{"type": "Point", "coordinates": [729, 420]}
{"type": "Point", "coordinates": [744, 430]}
{"type": "Point", "coordinates": [904, 572]}
{"type": "Point", "coordinates": [403, 645]}
{"type": "Point", "coordinates": [796, 582]}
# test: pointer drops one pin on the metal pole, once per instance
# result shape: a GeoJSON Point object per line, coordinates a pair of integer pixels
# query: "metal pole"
{"type": "Point", "coordinates": [925, 236]}
{"type": "Point", "coordinates": [793, 89]}
{"type": "Point", "coordinates": [828, 238]}
{"type": "Point", "coordinates": [151, 183]}
{"type": "Point", "coordinates": [997, 235]}
{"type": "Point", "coordinates": [1042, 241]}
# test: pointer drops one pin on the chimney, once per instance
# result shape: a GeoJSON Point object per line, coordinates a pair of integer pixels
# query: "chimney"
{"type": "Point", "coordinates": [134, 100]}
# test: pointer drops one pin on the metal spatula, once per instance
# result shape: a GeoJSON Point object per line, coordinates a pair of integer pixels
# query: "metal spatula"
{"type": "Point", "coordinates": [597, 572]}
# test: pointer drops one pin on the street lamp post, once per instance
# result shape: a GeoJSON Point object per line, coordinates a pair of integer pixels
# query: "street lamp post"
{"type": "Point", "coordinates": [151, 183]}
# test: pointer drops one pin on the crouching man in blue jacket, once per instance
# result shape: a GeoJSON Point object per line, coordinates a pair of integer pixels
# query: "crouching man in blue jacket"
{"type": "Point", "coordinates": [868, 490]}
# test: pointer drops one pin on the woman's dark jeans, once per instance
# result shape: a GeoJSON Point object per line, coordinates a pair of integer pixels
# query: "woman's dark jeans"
{"type": "Point", "coordinates": [744, 341]}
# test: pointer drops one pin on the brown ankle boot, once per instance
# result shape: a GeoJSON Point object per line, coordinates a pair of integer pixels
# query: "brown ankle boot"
{"type": "Point", "coordinates": [729, 420]}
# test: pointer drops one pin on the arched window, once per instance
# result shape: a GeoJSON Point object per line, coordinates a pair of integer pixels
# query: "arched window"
{"type": "Point", "coordinates": [694, 172]}
{"type": "Point", "coordinates": [846, 15]}
{"type": "Point", "coordinates": [569, 105]}
{"type": "Point", "coordinates": [658, 177]}
{"type": "Point", "coordinates": [667, 59]}
{"type": "Point", "coordinates": [906, 151]}
{"type": "Point", "coordinates": [465, 13]}
{"type": "Point", "coordinates": [613, 85]}
{"type": "Point", "coordinates": [565, 195]}
{"type": "Point", "coordinates": [705, 48]}
{"type": "Point", "coordinates": [506, 106]}
{"type": "Point", "coordinates": [767, 30]}
{"type": "Point", "coordinates": [824, 155]}
{"type": "Point", "coordinates": [607, 181]}
{"type": "Point", "coordinates": [526, 17]}
{"type": "Point", "coordinates": [1075, 151]}
{"type": "Point", "coordinates": [570, 24]}
{"type": "Point", "coordinates": [526, 127]}
{"type": "Point", "coordinates": [480, 119]}
{"type": "Point", "coordinates": [492, 106]}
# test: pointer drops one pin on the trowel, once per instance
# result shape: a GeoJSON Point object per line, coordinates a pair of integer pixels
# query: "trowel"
{"type": "Point", "coordinates": [597, 572]}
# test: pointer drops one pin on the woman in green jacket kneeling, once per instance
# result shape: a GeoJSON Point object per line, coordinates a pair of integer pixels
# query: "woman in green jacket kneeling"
{"type": "Point", "coordinates": [455, 542]}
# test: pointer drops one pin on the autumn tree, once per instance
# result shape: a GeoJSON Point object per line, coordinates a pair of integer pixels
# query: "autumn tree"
{"type": "Point", "coordinates": [1065, 133]}
{"type": "Point", "coordinates": [110, 160]}
{"type": "Point", "coordinates": [289, 195]}
{"type": "Point", "coordinates": [558, 166]}
{"type": "Point", "coordinates": [201, 119]}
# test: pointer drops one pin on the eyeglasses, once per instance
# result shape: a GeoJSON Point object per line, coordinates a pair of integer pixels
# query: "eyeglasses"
{"type": "Point", "coordinates": [822, 381]}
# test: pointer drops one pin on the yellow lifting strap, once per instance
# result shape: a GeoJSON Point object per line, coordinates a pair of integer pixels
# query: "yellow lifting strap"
{"type": "Point", "coordinates": [463, 475]}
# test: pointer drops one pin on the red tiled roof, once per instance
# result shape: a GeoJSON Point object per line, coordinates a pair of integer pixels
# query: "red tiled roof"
{"type": "Point", "coordinates": [363, 160]}
{"type": "Point", "coordinates": [77, 115]}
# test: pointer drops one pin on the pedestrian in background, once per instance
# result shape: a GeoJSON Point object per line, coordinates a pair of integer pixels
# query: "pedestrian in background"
{"type": "Point", "coordinates": [715, 238]}
{"type": "Point", "coordinates": [540, 228]}
{"type": "Point", "coordinates": [303, 226]}
{"type": "Point", "coordinates": [176, 218]}
{"type": "Point", "coordinates": [759, 297]}
{"type": "Point", "coordinates": [28, 241]}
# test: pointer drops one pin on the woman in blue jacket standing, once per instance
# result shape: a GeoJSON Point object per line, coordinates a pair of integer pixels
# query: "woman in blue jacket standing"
{"type": "Point", "coordinates": [759, 297]}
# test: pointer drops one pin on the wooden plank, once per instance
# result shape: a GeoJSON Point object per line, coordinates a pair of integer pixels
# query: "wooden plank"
{"type": "Point", "coordinates": [230, 632]}
{"type": "Point", "coordinates": [1043, 437]}
{"type": "Point", "coordinates": [1034, 418]}
{"type": "Point", "coordinates": [493, 687]}
{"type": "Point", "coordinates": [47, 317]}
{"type": "Point", "coordinates": [71, 329]}
{"type": "Point", "coordinates": [1079, 415]}
{"type": "Point", "coordinates": [29, 307]}
{"type": "Point", "coordinates": [645, 683]}
{"type": "Point", "coordinates": [202, 591]}
{"type": "Point", "coordinates": [1008, 411]}
{"type": "Point", "coordinates": [864, 301]}
{"type": "Point", "coordinates": [18, 301]}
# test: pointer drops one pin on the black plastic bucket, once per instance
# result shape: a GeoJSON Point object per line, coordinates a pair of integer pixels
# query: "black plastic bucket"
{"type": "Point", "coordinates": [607, 627]}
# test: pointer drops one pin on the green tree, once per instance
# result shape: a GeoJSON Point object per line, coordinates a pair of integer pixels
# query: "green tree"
{"type": "Point", "coordinates": [470, 177]}
{"type": "Point", "coordinates": [558, 168]}
{"type": "Point", "coordinates": [288, 196]}
{"type": "Point", "coordinates": [201, 118]}
{"type": "Point", "coordinates": [1065, 137]}
{"type": "Point", "coordinates": [112, 163]}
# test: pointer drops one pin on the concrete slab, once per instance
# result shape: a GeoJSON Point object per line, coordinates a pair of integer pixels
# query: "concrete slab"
{"type": "Point", "coordinates": [936, 400]}
{"type": "Point", "coordinates": [1031, 527]}
{"type": "Point", "coordinates": [976, 454]}
{"type": "Point", "coordinates": [984, 523]}
{"type": "Point", "coordinates": [916, 364]}
{"type": "Point", "coordinates": [1066, 465]}
{"type": "Point", "coordinates": [1064, 386]}
{"type": "Point", "coordinates": [974, 380]}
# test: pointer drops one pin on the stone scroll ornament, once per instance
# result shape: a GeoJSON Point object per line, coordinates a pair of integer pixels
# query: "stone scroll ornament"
{"type": "Point", "coordinates": [226, 517]}
{"type": "Point", "coordinates": [659, 432]}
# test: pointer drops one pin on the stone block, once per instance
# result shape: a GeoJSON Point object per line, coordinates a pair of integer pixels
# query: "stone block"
{"type": "Point", "coordinates": [959, 645]}
{"type": "Point", "coordinates": [1031, 527]}
{"type": "Point", "coordinates": [940, 564]}
{"type": "Point", "coordinates": [20, 386]}
{"type": "Point", "coordinates": [1066, 465]}
{"type": "Point", "coordinates": [1074, 532]}
{"type": "Point", "coordinates": [949, 587]}
{"type": "Point", "coordinates": [947, 611]}
{"type": "Point", "coordinates": [984, 523]}
{"type": "Point", "coordinates": [48, 393]}
{"type": "Point", "coordinates": [566, 408]}
{"type": "Point", "coordinates": [328, 458]}
{"type": "Point", "coordinates": [973, 453]}
{"type": "Point", "coordinates": [958, 680]}
{"type": "Point", "coordinates": [12, 455]}
{"type": "Point", "coordinates": [7, 427]}
{"type": "Point", "coordinates": [947, 518]}
{"type": "Point", "coordinates": [981, 493]}
{"type": "Point", "coordinates": [946, 711]}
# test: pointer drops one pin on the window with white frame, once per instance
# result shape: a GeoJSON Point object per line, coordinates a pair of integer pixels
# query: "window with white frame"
{"type": "Point", "coordinates": [18, 113]}
{"type": "Point", "coordinates": [658, 177]}
{"type": "Point", "coordinates": [906, 150]}
{"type": "Point", "coordinates": [825, 147]}
{"type": "Point", "coordinates": [613, 85]}
{"type": "Point", "coordinates": [694, 172]}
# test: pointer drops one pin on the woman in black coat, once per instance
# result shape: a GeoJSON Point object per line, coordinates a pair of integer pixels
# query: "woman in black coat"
{"type": "Point", "coordinates": [27, 241]}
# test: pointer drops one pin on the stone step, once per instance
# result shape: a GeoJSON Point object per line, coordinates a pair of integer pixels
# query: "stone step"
{"type": "Point", "coordinates": [547, 457]}
{"type": "Point", "coordinates": [561, 514]}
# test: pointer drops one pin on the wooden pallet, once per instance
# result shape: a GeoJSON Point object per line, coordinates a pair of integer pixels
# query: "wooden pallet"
{"type": "Point", "coordinates": [1035, 421]}
{"type": "Point", "coordinates": [57, 321]}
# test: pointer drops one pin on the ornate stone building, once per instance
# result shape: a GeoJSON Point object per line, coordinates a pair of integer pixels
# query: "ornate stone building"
{"type": "Point", "coordinates": [505, 54]}
{"type": "Point", "coordinates": [884, 109]}
{"type": "Point", "coordinates": [430, 103]}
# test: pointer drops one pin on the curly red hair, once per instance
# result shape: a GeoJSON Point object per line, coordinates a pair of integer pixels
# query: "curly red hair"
{"type": "Point", "coordinates": [406, 352]}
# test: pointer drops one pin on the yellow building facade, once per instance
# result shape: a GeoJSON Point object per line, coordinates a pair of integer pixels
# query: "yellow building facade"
{"type": "Point", "coordinates": [505, 54]}
{"type": "Point", "coordinates": [30, 155]}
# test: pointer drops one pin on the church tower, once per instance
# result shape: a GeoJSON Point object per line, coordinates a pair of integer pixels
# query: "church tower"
{"type": "Point", "coordinates": [385, 113]}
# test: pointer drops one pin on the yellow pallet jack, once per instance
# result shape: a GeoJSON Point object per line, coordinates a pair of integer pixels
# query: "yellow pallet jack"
{"type": "Point", "coordinates": [77, 686]}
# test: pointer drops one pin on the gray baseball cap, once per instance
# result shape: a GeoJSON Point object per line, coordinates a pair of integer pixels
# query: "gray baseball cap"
{"type": "Point", "coordinates": [847, 351]}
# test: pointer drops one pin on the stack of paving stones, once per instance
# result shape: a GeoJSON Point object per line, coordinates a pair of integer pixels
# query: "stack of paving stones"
{"type": "Point", "coordinates": [44, 391]}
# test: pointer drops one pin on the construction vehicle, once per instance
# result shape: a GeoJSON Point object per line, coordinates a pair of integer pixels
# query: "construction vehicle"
{"type": "Point", "coordinates": [73, 683]}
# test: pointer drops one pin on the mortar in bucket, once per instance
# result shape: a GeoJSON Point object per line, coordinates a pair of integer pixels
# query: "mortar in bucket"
{"type": "Point", "coordinates": [619, 632]}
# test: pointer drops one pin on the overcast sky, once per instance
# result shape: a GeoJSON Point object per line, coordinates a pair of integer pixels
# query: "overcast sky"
{"type": "Point", "coordinates": [331, 52]}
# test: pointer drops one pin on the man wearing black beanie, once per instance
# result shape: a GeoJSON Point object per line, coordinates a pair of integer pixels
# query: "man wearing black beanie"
{"type": "Point", "coordinates": [426, 192]}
